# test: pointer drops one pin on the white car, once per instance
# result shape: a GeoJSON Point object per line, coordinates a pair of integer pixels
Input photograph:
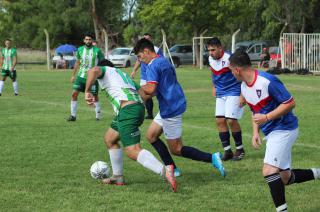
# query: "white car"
{"type": "Point", "coordinates": [122, 57]}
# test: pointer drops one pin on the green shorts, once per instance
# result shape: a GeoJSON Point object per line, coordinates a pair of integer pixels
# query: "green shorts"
{"type": "Point", "coordinates": [80, 85]}
{"type": "Point", "coordinates": [8, 73]}
{"type": "Point", "coordinates": [127, 124]}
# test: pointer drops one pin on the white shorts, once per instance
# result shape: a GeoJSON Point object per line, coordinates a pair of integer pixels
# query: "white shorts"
{"type": "Point", "coordinates": [172, 127]}
{"type": "Point", "coordinates": [228, 107]}
{"type": "Point", "coordinates": [278, 148]}
{"type": "Point", "coordinates": [143, 82]}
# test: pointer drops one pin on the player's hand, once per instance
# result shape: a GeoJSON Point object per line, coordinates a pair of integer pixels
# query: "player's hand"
{"type": "Point", "coordinates": [259, 118]}
{"type": "Point", "coordinates": [256, 141]}
{"type": "Point", "coordinates": [214, 93]}
{"type": "Point", "coordinates": [72, 79]}
{"type": "Point", "coordinates": [242, 101]}
{"type": "Point", "coordinates": [89, 98]}
{"type": "Point", "coordinates": [132, 74]}
{"type": "Point", "coordinates": [12, 69]}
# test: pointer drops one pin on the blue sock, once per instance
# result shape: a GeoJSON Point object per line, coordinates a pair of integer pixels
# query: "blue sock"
{"type": "Point", "coordinates": [195, 154]}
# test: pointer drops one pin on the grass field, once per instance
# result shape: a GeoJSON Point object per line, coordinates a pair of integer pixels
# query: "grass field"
{"type": "Point", "coordinates": [45, 161]}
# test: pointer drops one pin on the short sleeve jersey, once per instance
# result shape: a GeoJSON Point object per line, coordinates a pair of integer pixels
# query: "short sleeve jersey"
{"type": "Point", "coordinates": [88, 57]}
{"type": "Point", "coordinates": [118, 86]}
{"type": "Point", "coordinates": [170, 95]}
{"type": "Point", "coordinates": [264, 95]}
{"type": "Point", "coordinates": [8, 55]}
{"type": "Point", "coordinates": [222, 78]}
{"type": "Point", "coordinates": [144, 66]}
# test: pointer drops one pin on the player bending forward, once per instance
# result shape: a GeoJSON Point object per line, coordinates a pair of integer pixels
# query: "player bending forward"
{"type": "Point", "coordinates": [272, 106]}
{"type": "Point", "coordinates": [127, 104]}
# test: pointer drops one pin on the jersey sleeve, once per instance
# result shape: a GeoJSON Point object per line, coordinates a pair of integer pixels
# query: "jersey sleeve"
{"type": "Point", "coordinates": [278, 91]}
{"type": "Point", "coordinates": [14, 52]}
{"type": "Point", "coordinates": [103, 70]}
{"type": "Point", "coordinates": [160, 52]}
{"type": "Point", "coordinates": [153, 73]}
{"type": "Point", "coordinates": [78, 54]}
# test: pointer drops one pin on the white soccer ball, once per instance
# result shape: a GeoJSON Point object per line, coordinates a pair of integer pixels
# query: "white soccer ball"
{"type": "Point", "coordinates": [99, 170]}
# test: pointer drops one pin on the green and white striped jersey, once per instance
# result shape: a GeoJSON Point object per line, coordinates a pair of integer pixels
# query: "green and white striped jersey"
{"type": "Point", "coordinates": [89, 57]}
{"type": "Point", "coordinates": [8, 55]}
{"type": "Point", "coordinates": [118, 86]}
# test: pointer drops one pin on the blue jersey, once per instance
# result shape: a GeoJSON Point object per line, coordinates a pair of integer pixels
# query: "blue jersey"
{"type": "Point", "coordinates": [144, 66]}
{"type": "Point", "coordinates": [222, 78]}
{"type": "Point", "coordinates": [172, 101]}
{"type": "Point", "coordinates": [264, 95]}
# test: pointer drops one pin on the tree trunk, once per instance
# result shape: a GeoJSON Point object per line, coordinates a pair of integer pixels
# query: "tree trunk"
{"type": "Point", "coordinates": [98, 27]}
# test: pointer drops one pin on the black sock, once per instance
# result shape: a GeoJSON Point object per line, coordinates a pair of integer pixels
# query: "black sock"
{"type": "Point", "coordinates": [300, 176]}
{"type": "Point", "coordinates": [237, 139]}
{"type": "Point", "coordinates": [163, 152]}
{"type": "Point", "coordinates": [195, 154]}
{"type": "Point", "coordinates": [149, 107]}
{"type": "Point", "coordinates": [225, 139]}
{"type": "Point", "coordinates": [277, 191]}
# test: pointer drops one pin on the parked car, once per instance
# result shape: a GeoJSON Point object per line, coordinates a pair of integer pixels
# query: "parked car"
{"type": "Point", "coordinates": [183, 54]}
{"type": "Point", "coordinates": [275, 57]}
{"type": "Point", "coordinates": [69, 57]}
{"type": "Point", "coordinates": [253, 48]}
{"type": "Point", "coordinates": [122, 57]}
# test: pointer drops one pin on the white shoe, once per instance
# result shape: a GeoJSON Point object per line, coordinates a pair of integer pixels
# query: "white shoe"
{"type": "Point", "coordinates": [316, 173]}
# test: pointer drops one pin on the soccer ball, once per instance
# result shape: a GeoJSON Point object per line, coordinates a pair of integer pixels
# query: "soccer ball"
{"type": "Point", "coordinates": [99, 170]}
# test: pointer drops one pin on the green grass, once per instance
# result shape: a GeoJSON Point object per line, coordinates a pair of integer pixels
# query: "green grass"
{"type": "Point", "coordinates": [45, 161]}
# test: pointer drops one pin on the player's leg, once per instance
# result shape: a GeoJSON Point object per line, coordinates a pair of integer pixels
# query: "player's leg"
{"type": "Point", "coordinates": [95, 91]}
{"type": "Point", "coordinates": [233, 114]}
{"type": "Point", "coordinates": [223, 129]}
{"type": "Point", "coordinates": [153, 136]}
{"type": "Point", "coordinates": [172, 128]}
{"type": "Point", "coordinates": [13, 77]}
{"type": "Point", "coordinates": [78, 86]}
{"type": "Point", "coordinates": [4, 75]}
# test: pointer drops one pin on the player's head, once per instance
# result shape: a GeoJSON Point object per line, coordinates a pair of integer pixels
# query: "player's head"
{"type": "Point", "coordinates": [215, 48]}
{"type": "Point", "coordinates": [144, 49]}
{"type": "Point", "coordinates": [239, 63]}
{"type": "Point", "coordinates": [7, 43]}
{"type": "Point", "coordinates": [147, 36]}
{"type": "Point", "coordinates": [88, 39]}
{"type": "Point", "coordinates": [105, 62]}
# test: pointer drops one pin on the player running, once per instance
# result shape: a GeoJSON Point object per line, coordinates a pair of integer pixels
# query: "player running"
{"type": "Point", "coordinates": [128, 106]}
{"type": "Point", "coordinates": [88, 56]}
{"type": "Point", "coordinates": [162, 82]}
{"type": "Point", "coordinates": [226, 89]}
{"type": "Point", "coordinates": [272, 106]}
{"type": "Point", "coordinates": [8, 63]}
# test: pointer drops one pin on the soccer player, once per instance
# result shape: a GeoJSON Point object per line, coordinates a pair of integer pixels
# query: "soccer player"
{"type": "Point", "coordinates": [88, 56]}
{"type": "Point", "coordinates": [143, 67]}
{"type": "Point", "coordinates": [162, 82]}
{"type": "Point", "coordinates": [8, 63]}
{"type": "Point", "coordinates": [128, 105]}
{"type": "Point", "coordinates": [271, 105]}
{"type": "Point", "coordinates": [226, 89]}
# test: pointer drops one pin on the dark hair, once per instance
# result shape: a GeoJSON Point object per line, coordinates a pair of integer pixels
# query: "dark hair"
{"type": "Point", "coordinates": [105, 62]}
{"type": "Point", "coordinates": [89, 35]}
{"type": "Point", "coordinates": [214, 42]}
{"type": "Point", "coordinates": [8, 39]}
{"type": "Point", "coordinates": [147, 34]}
{"type": "Point", "coordinates": [240, 58]}
{"type": "Point", "coordinates": [143, 44]}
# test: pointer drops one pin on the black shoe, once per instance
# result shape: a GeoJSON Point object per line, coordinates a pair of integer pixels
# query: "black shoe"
{"type": "Point", "coordinates": [0, 94]}
{"type": "Point", "coordinates": [149, 117]}
{"type": "Point", "coordinates": [97, 119]}
{"type": "Point", "coordinates": [228, 155]}
{"type": "Point", "coordinates": [16, 94]}
{"type": "Point", "coordinates": [238, 155]}
{"type": "Point", "coordinates": [71, 118]}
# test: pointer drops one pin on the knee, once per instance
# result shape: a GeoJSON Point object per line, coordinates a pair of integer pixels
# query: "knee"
{"type": "Point", "coordinates": [231, 122]}
{"type": "Point", "coordinates": [74, 96]}
{"type": "Point", "coordinates": [151, 137]}
{"type": "Point", "coordinates": [176, 150]}
{"type": "Point", "coordinates": [132, 155]}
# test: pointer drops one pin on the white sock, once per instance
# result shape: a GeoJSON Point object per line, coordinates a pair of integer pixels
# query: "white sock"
{"type": "Point", "coordinates": [74, 105]}
{"type": "Point", "coordinates": [1, 86]}
{"type": "Point", "coordinates": [97, 109]}
{"type": "Point", "coordinates": [116, 160]}
{"type": "Point", "coordinates": [316, 173]}
{"type": "Point", "coordinates": [15, 87]}
{"type": "Point", "coordinates": [282, 208]}
{"type": "Point", "coordinates": [149, 161]}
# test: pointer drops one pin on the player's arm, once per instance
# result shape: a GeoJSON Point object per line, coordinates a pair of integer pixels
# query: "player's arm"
{"type": "Point", "coordinates": [14, 62]}
{"type": "Point", "coordinates": [135, 69]}
{"type": "Point", "coordinates": [150, 89]}
{"type": "Point", "coordinates": [1, 60]}
{"type": "Point", "coordinates": [75, 70]}
{"type": "Point", "coordinates": [256, 140]}
{"type": "Point", "coordinates": [92, 75]}
{"type": "Point", "coordinates": [242, 101]}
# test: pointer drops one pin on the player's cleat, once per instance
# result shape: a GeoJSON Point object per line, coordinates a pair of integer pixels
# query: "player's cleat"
{"type": "Point", "coordinates": [177, 172]}
{"type": "Point", "coordinates": [97, 119]}
{"type": "Point", "coordinates": [238, 155]}
{"type": "Point", "coordinates": [16, 94]}
{"type": "Point", "coordinates": [316, 173]}
{"type": "Point", "coordinates": [0, 94]}
{"type": "Point", "coordinates": [149, 117]}
{"type": "Point", "coordinates": [72, 118]}
{"type": "Point", "coordinates": [168, 175]}
{"type": "Point", "coordinates": [114, 180]}
{"type": "Point", "coordinates": [217, 163]}
{"type": "Point", "coordinates": [227, 155]}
